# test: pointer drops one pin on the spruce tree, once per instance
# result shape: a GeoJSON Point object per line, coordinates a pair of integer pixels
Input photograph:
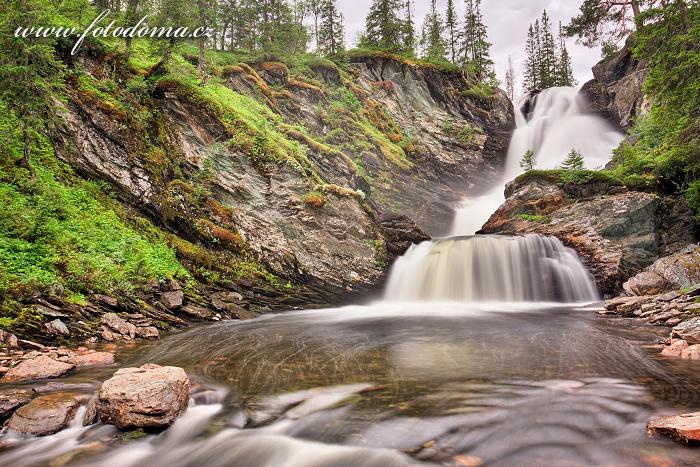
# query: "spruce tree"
{"type": "Point", "coordinates": [510, 79]}
{"type": "Point", "coordinates": [409, 40]}
{"type": "Point", "coordinates": [565, 73]}
{"type": "Point", "coordinates": [475, 47]}
{"type": "Point", "coordinates": [527, 162]}
{"type": "Point", "coordinates": [531, 73]}
{"type": "Point", "coordinates": [547, 54]}
{"type": "Point", "coordinates": [451, 24]}
{"type": "Point", "coordinates": [331, 32]}
{"type": "Point", "coordinates": [384, 29]}
{"type": "Point", "coordinates": [432, 43]}
{"type": "Point", "coordinates": [574, 161]}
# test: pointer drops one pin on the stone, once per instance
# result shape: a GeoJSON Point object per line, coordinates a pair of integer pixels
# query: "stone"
{"type": "Point", "coordinates": [27, 344]}
{"type": "Point", "coordinates": [45, 415]}
{"type": "Point", "coordinates": [105, 300]}
{"type": "Point", "coordinates": [400, 232]}
{"type": "Point", "coordinates": [57, 327]}
{"type": "Point", "coordinates": [633, 304]}
{"type": "Point", "coordinates": [37, 368]}
{"type": "Point", "coordinates": [90, 417]}
{"type": "Point", "coordinates": [615, 302]}
{"type": "Point", "coordinates": [10, 399]}
{"type": "Point", "coordinates": [684, 428]}
{"type": "Point", "coordinates": [692, 307]}
{"type": "Point", "coordinates": [691, 352]}
{"type": "Point", "coordinates": [148, 332]}
{"type": "Point", "coordinates": [646, 283]}
{"type": "Point", "coordinates": [688, 330]}
{"type": "Point", "coordinates": [118, 324]}
{"type": "Point", "coordinates": [92, 359]}
{"type": "Point", "coordinates": [662, 317]}
{"type": "Point", "coordinates": [667, 297]}
{"type": "Point", "coordinates": [149, 397]}
{"type": "Point", "coordinates": [172, 300]}
{"type": "Point", "coordinates": [672, 272]}
{"type": "Point", "coordinates": [12, 342]}
{"type": "Point", "coordinates": [675, 349]}
{"type": "Point", "coordinates": [197, 311]}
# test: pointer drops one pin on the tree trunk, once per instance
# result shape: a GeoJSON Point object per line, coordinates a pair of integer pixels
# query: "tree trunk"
{"type": "Point", "coordinates": [635, 8]}
{"type": "Point", "coordinates": [130, 18]}
{"type": "Point", "coordinates": [26, 151]}
{"type": "Point", "coordinates": [202, 20]}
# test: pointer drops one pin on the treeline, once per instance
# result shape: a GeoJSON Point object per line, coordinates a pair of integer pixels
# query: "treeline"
{"type": "Point", "coordinates": [548, 62]}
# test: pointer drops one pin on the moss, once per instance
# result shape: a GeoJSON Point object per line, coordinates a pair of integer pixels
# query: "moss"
{"type": "Point", "coordinates": [534, 218]}
{"type": "Point", "coordinates": [575, 177]}
{"type": "Point", "coordinates": [220, 236]}
{"type": "Point", "coordinates": [314, 199]}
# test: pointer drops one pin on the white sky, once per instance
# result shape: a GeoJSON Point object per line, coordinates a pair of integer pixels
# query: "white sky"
{"type": "Point", "coordinates": [507, 22]}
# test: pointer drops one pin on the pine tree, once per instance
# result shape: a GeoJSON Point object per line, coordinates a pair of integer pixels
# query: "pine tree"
{"type": "Point", "coordinates": [547, 54]}
{"type": "Point", "coordinates": [409, 40]}
{"type": "Point", "coordinates": [574, 161]}
{"type": "Point", "coordinates": [510, 79]}
{"type": "Point", "coordinates": [451, 24]}
{"type": "Point", "coordinates": [315, 8]}
{"type": "Point", "coordinates": [527, 163]}
{"type": "Point", "coordinates": [384, 29]}
{"type": "Point", "coordinates": [475, 48]}
{"type": "Point", "coordinates": [531, 74]}
{"type": "Point", "coordinates": [331, 32]}
{"type": "Point", "coordinates": [591, 25]}
{"type": "Point", "coordinates": [565, 73]}
{"type": "Point", "coordinates": [432, 43]}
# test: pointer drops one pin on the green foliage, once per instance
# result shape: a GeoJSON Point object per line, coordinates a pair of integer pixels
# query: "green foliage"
{"type": "Point", "coordinates": [576, 177]}
{"type": "Point", "coordinates": [574, 161]}
{"type": "Point", "coordinates": [528, 160]}
{"type": "Point", "coordinates": [534, 218]}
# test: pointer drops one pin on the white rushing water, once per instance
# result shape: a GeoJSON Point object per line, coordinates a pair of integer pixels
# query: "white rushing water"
{"type": "Point", "coordinates": [559, 122]}
{"type": "Point", "coordinates": [532, 268]}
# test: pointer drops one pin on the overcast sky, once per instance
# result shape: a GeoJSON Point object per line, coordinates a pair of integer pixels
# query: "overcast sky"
{"type": "Point", "coordinates": [507, 22]}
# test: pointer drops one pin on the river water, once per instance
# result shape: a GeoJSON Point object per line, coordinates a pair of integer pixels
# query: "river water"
{"type": "Point", "coordinates": [506, 384]}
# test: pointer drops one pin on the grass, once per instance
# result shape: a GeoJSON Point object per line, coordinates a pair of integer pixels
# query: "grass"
{"type": "Point", "coordinates": [575, 177]}
{"type": "Point", "coordinates": [534, 218]}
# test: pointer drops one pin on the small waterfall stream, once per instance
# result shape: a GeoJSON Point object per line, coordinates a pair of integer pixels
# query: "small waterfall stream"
{"type": "Point", "coordinates": [532, 268]}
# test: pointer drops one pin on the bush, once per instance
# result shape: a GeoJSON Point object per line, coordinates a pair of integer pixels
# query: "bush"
{"type": "Point", "coordinates": [314, 199]}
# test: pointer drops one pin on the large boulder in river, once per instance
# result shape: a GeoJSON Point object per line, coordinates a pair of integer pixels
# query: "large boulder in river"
{"type": "Point", "coordinates": [671, 272]}
{"type": "Point", "coordinates": [617, 232]}
{"type": "Point", "coordinates": [46, 414]}
{"type": "Point", "coordinates": [149, 397]}
{"type": "Point", "coordinates": [400, 232]}
{"type": "Point", "coordinates": [37, 368]}
{"type": "Point", "coordinates": [689, 331]}
{"type": "Point", "coordinates": [684, 428]}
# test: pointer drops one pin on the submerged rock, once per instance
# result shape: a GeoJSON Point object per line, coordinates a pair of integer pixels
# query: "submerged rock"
{"type": "Point", "coordinates": [92, 359]}
{"type": "Point", "coordinates": [684, 428]}
{"type": "Point", "coordinates": [46, 414]}
{"type": "Point", "coordinates": [11, 399]}
{"type": "Point", "coordinates": [150, 397]}
{"type": "Point", "coordinates": [37, 368]}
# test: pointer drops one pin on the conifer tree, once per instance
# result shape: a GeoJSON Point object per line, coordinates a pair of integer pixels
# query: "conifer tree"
{"type": "Point", "coordinates": [547, 54]}
{"type": "Point", "coordinates": [331, 32]}
{"type": "Point", "coordinates": [409, 40]}
{"type": "Point", "coordinates": [531, 74]}
{"type": "Point", "coordinates": [432, 42]}
{"type": "Point", "coordinates": [565, 73]}
{"type": "Point", "coordinates": [451, 24]}
{"type": "Point", "coordinates": [383, 28]}
{"type": "Point", "coordinates": [510, 79]}
{"type": "Point", "coordinates": [475, 54]}
{"type": "Point", "coordinates": [574, 161]}
{"type": "Point", "coordinates": [591, 26]}
{"type": "Point", "coordinates": [527, 163]}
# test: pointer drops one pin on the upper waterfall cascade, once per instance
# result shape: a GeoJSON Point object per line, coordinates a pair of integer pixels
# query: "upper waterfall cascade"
{"type": "Point", "coordinates": [497, 268]}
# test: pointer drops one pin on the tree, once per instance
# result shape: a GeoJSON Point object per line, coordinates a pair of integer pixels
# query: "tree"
{"type": "Point", "coordinates": [592, 25]}
{"type": "Point", "coordinates": [547, 59]}
{"type": "Point", "coordinates": [383, 28]}
{"type": "Point", "coordinates": [331, 33]}
{"type": "Point", "coordinates": [432, 43]}
{"type": "Point", "coordinates": [527, 163]}
{"type": "Point", "coordinates": [30, 72]}
{"type": "Point", "coordinates": [531, 75]}
{"type": "Point", "coordinates": [510, 79]}
{"type": "Point", "coordinates": [574, 161]}
{"type": "Point", "coordinates": [475, 47]}
{"type": "Point", "coordinates": [565, 73]}
{"type": "Point", "coordinates": [315, 8]}
{"type": "Point", "coordinates": [409, 31]}
{"type": "Point", "coordinates": [451, 23]}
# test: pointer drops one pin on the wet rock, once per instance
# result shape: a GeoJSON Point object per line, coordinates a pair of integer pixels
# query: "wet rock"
{"type": "Point", "coordinates": [691, 352]}
{"type": "Point", "coordinates": [150, 397]}
{"type": "Point", "coordinates": [105, 300]}
{"type": "Point", "coordinates": [172, 300]}
{"type": "Point", "coordinates": [57, 327]}
{"type": "Point", "coordinates": [147, 332]}
{"type": "Point", "coordinates": [667, 274]}
{"type": "Point", "coordinates": [675, 349]}
{"type": "Point", "coordinates": [688, 330]}
{"type": "Point", "coordinates": [12, 341]}
{"type": "Point", "coordinates": [37, 368]}
{"type": "Point", "coordinates": [115, 323]}
{"type": "Point", "coordinates": [400, 232]}
{"type": "Point", "coordinates": [92, 359]}
{"type": "Point", "coordinates": [45, 415]}
{"type": "Point", "coordinates": [90, 417]}
{"type": "Point", "coordinates": [197, 311]}
{"type": "Point", "coordinates": [684, 428]}
{"type": "Point", "coordinates": [646, 283]}
{"type": "Point", "coordinates": [27, 344]}
{"type": "Point", "coordinates": [10, 399]}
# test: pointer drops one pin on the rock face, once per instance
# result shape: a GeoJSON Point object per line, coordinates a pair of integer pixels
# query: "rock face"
{"type": "Point", "coordinates": [616, 232]}
{"type": "Point", "coordinates": [45, 415]}
{"type": "Point", "coordinates": [37, 368]}
{"type": "Point", "coordinates": [615, 92]}
{"type": "Point", "coordinates": [689, 331]}
{"type": "Point", "coordinates": [671, 272]}
{"type": "Point", "coordinates": [11, 399]}
{"type": "Point", "coordinates": [400, 233]}
{"type": "Point", "coordinates": [149, 397]}
{"type": "Point", "coordinates": [684, 428]}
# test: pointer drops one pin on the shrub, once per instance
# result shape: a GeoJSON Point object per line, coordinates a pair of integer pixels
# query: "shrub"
{"type": "Point", "coordinates": [314, 199]}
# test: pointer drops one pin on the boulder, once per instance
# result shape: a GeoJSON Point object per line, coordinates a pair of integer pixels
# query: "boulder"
{"type": "Point", "coordinates": [691, 352]}
{"type": "Point", "coordinates": [46, 414]}
{"type": "Point", "coordinates": [10, 399]}
{"type": "Point", "coordinates": [400, 232]}
{"type": "Point", "coordinates": [668, 274]}
{"type": "Point", "coordinates": [147, 332]}
{"type": "Point", "coordinates": [92, 359]}
{"type": "Point", "coordinates": [172, 300]}
{"type": "Point", "coordinates": [105, 300]}
{"type": "Point", "coordinates": [684, 428]}
{"type": "Point", "coordinates": [118, 324]}
{"type": "Point", "coordinates": [57, 327]}
{"type": "Point", "coordinates": [37, 368]}
{"type": "Point", "coordinates": [149, 397]}
{"type": "Point", "coordinates": [197, 311]}
{"type": "Point", "coordinates": [675, 349]}
{"type": "Point", "coordinates": [688, 331]}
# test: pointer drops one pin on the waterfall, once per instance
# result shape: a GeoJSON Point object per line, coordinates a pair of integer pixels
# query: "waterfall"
{"type": "Point", "coordinates": [498, 268]}
{"type": "Point", "coordinates": [551, 124]}
{"type": "Point", "coordinates": [491, 268]}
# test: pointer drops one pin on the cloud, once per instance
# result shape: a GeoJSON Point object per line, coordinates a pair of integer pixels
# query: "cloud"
{"type": "Point", "coordinates": [507, 22]}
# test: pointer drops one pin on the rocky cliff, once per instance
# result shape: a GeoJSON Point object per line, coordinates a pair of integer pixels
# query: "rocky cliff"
{"type": "Point", "coordinates": [278, 185]}
{"type": "Point", "coordinates": [615, 92]}
{"type": "Point", "coordinates": [617, 232]}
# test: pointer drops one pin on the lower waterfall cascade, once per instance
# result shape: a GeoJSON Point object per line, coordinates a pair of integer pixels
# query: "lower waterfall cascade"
{"type": "Point", "coordinates": [531, 268]}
